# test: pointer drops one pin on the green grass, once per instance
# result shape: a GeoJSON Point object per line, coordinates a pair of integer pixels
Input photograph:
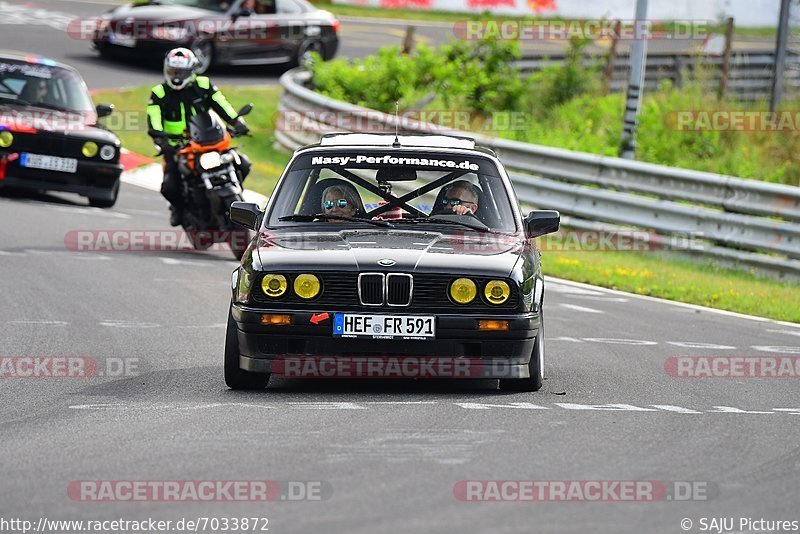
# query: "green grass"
{"type": "Point", "coordinates": [130, 124]}
{"type": "Point", "coordinates": [666, 275]}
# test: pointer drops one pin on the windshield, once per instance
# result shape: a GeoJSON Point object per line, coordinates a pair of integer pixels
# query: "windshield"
{"type": "Point", "coordinates": [450, 191]}
{"type": "Point", "coordinates": [220, 6]}
{"type": "Point", "coordinates": [34, 84]}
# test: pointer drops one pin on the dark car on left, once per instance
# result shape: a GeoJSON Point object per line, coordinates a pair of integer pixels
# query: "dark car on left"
{"type": "Point", "coordinates": [219, 32]}
{"type": "Point", "coordinates": [50, 139]}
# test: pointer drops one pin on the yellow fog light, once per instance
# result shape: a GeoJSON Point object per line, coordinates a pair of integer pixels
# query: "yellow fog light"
{"type": "Point", "coordinates": [463, 290]}
{"type": "Point", "coordinates": [6, 138]}
{"type": "Point", "coordinates": [492, 324]}
{"type": "Point", "coordinates": [89, 149]}
{"type": "Point", "coordinates": [276, 319]}
{"type": "Point", "coordinates": [496, 291]}
{"type": "Point", "coordinates": [307, 286]}
{"type": "Point", "coordinates": [273, 285]}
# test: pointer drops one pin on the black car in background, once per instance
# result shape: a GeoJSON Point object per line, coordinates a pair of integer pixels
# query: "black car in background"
{"type": "Point", "coordinates": [219, 32]}
{"type": "Point", "coordinates": [49, 136]}
{"type": "Point", "coordinates": [411, 248]}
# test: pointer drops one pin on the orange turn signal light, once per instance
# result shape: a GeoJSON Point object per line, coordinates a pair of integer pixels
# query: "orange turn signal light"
{"type": "Point", "coordinates": [276, 319]}
{"type": "Point", "coordinates": [492, 324]}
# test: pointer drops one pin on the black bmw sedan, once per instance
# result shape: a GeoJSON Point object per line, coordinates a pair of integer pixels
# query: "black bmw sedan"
{"type": "Point", "coordinates": [49, 136]}
{"type": "Point", "coordinates": [390, 257]}
{"type": "Point", "coordinates": [219, 32]}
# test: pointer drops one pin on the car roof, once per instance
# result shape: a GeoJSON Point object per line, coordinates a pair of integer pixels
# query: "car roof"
{"type": "Point", "coordinates": [417, 140]}
{"type": "Point", "coordinates": [33, 59]}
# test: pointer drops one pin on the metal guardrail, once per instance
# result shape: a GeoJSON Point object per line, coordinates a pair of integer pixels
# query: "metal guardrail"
{"type": "Point", "coordinates": [744, 221]}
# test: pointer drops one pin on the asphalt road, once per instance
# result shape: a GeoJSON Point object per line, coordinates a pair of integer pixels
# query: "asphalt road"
{"type": "Point", "coordinates": [39, 27]}
{"type": "Point", "coordinates": [388, 454]}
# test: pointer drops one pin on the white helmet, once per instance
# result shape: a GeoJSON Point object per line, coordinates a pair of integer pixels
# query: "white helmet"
{"type": "Point", "coordinates": [180, 68]}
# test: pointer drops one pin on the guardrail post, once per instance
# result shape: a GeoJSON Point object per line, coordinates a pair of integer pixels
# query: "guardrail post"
{"type": "Point", "coordinates": [726, 60]}
{"type": "Point", "coordinates": [608, 76]}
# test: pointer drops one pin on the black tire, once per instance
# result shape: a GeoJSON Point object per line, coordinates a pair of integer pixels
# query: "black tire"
{"type": "Point", "coordinates": [235, 377]}
{"type": "Point", "coordinates": [536, 366]}
{"type": "Point", "coordinates": [303, 57]}
{"type": "Point", "coordinates": [106, 202]}
{"type": "Point", "coordinates": [204, 50]}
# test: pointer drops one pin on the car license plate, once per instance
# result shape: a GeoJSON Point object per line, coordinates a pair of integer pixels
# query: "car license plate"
{"type": "Point", "coordinates": [384, 326]}
{"type": "Point", "coordinates": [121, 40]}
{"type": "Point", "coordinates": [48, 163]}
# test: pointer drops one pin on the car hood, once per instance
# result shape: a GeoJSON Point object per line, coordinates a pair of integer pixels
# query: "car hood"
{"type": "Point", "coordinates": [412, 252]}
{"type": "Point", "coordinates": [78, 125]}
{"type": "Point", "coordinates": [162, 13]}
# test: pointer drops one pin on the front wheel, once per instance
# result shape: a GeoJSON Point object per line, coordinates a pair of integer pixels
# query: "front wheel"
{"type": "Point", "coordinates": [235, 377]}
{"type": "Point", "coordinates": [106, 202]}
{"type": "Point", "coordinates": [535, 367]}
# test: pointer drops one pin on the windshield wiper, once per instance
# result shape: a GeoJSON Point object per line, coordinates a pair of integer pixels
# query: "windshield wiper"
{"type": "Point", "coordinates": [479, 226]}
{"type": "Point", "coordinates": [310, 218]}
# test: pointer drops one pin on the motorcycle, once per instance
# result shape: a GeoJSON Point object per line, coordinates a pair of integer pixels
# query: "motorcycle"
{"type": "Point", "coordinates": [211, 177]}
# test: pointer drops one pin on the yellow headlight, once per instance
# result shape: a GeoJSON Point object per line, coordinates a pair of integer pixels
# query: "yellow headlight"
{"type": "Point", "coordinates": [6, 138]}
{"type": "Point", "coordinates": [273, 285]}
{"type": "Point", "coordinates": [307, 286]}
{"type": "Point", "coordinates": [497, 291]}
{"type": "Point", "coordinates": [89, 149]}
{"type": "Point", "coordinates": [463, 290]}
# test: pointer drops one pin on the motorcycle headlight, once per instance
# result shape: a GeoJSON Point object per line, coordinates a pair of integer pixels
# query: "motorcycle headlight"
{"type": "Point", "coordinates": [496, 291]}
{"type": "Point", "coordinates": [273, 285]}
{"type": "Point", "coordinates": [210, 160]}
{"type": "Point", "coordinates": [307, 286]}
{"type": "Point", "coordinates": [6, 139]}
{"type": "Point", "coordinates": [226, 158]}
{"type": "Point", "coordinates": [107, 152]}
{"type": "Point", "coordinates": [463, 290]}
{"type": "Point", "coordinates": [89, 149]}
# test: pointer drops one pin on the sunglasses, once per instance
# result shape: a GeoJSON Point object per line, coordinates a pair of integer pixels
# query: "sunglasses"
{"type": "Point", "coordinates": [456, 202]}
{"type": "Point", "coordinates": [329, 204]}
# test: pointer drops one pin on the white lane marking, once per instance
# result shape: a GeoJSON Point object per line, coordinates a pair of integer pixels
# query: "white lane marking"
{"type": "Point", "coordinates": [618, 341]}
{"type": "Point", "coordinates": [484, 406]}
{"type": "Point", "coordinates": [217, 325]}
{"type": "Point", "coordinates": [399, 402]}
{"type": "Point", "coordinates": [7, 253]}
{"type": "Point", "coordinates": [791, 411]}
{"type": "Point", "coordinates": [577, 308]}
{"type": "Point", "coordinates": [194, 263]}
{"type": "Point", "coordinates": [603, 298]}
{"type": "Point", "coordinates": [672, 408]}
{"type": "Point", "coordinates": [572, 290]}
{"type": "Point", "coordinates": [698, 345]}
{"type": "Point", "coordinates": [774, 348]}
{"type": "Point", "coordinates": [11, 14]}
{"type": "Point", "coordinates": [604, 407]}
{"type": "Point", "coordinates": [226, 405]}
{"type": "Point", "coordinates": [128, 324]}
{"type": "Point", "coordinates": [551, 279]}
{"type": "Point", "coordinates": [565, 338]}
{"type": "Point", "coordinates": [106, 406]}
{"type": "Point", "coordinates": [80, 210]}
{"type": "Point", "coordinates": [787, 332]}
{"type": "Point", "coordinates": [42, 322]}
{"type": "Point", "coordinates": [730, 409]}
{"type": "Point", "coordinates": [327, 405]}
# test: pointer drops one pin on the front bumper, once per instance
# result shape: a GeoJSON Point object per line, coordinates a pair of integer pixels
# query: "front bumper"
{"type": "Point", "coordinates": [92, 179]}
{"type": "Point", "coordinates": [487, 354]}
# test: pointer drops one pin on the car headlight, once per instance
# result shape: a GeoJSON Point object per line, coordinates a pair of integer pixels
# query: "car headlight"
{"type": "Point", "coordinates": [496, 291]}
{"type": "Point", "coordinates": [210, 160]}
{"type": "Point", "coordinates": [307, 286]}
{"type": "Point", "coordinates": [273, 285]}
{"type": "Point", "coordinates": [107, 152]}
{"type": "Point", "coordinates": [6, 139]}
{"type": "Point", "coordinates": [89, 149]}
{"type": "Point", "coordinates": [170, 33]}
{"type": "Point", "coordinates": [463, 290]}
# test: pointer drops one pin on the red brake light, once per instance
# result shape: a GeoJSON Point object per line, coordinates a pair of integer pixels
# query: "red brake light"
{"type": "Point", "coordinates": [335, 25]}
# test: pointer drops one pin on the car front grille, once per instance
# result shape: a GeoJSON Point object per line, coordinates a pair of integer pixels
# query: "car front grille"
{"type": "Point", "coordinates": [353, 291]}
{"type": "Point", "coordinates": [48, 144]}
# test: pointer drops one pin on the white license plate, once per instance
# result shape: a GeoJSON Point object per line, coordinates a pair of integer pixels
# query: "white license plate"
{"type": "Point", "coordinates": [384, 326]}
{"type": "Point", "coordinates": [48, 163]}
{"type": "Point", "coordinates": [121, 40]}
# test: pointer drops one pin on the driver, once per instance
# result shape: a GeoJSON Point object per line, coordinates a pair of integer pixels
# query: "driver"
{"type": "Point", "coordinates": [172, 104]}
{"type": "Point", "coordinates": [340, 200]}
{"type": "Point", "coordinates": [459, 198]}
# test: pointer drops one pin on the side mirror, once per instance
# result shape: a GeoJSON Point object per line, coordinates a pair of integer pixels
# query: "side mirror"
{"type": "Point", "coordinates": [542, 222]}
{"type": "Point", "coordinates": [245, 110]}
{"type": "Point", "coordinates": [246, 214]}
{"type": "Point", "coordinates": [104, 110]}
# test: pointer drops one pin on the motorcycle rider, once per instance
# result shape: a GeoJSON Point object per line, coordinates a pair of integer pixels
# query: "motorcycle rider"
{"type": "Point", "coordinates": [171, 105]}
